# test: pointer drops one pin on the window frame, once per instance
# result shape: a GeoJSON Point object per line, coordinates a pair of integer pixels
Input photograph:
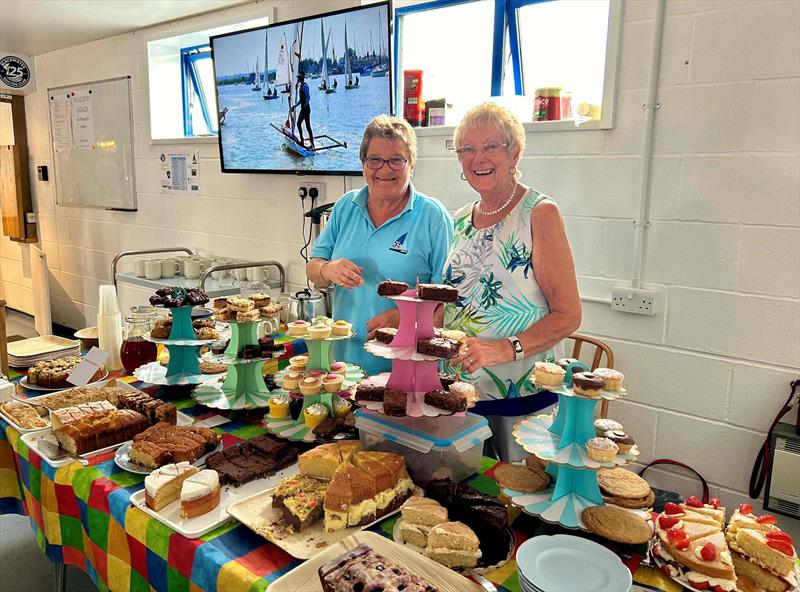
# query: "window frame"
{"type": "Point", "coordinates": [506, 19]}
{"type": "Point", "coordinates": [189, 55]}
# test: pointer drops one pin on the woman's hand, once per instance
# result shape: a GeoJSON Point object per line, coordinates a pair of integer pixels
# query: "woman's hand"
{"type": "Point", "coordinates": [342, 272]}
{"type": "Point", "coordinates": [388, 318]}
{"type": "Point", "coordinates": [480, 353]}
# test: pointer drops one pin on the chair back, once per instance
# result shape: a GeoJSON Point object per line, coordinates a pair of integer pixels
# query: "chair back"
{"type": "Point", "coordinates": [600, 349]}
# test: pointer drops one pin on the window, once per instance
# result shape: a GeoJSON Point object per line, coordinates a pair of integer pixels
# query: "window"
{"type": "Point", "coordinates": [510, 48]}
{"type": "Point", "coordinates": [199, 99]}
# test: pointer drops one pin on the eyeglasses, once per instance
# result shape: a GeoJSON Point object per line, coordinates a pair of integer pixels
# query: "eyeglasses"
{"type": "Point", "coordinates": [487, 148]}
{"type": "Point", "coordinates": [396, 163]}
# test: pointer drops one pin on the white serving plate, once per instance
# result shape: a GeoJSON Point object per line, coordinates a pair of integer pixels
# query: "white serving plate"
{"type": "Point", "coordinates": [256, 512]}
{"type": "Point", "coordinates": [10, 420]}
{"type": "Point", "coordinates": [35, 387]}
{"type": "Point", "coordinates": [200, 525]}
{"type": "Point", "coordinates": [32, 439]}
{"type": "Point", "coordinates": [123, 460]}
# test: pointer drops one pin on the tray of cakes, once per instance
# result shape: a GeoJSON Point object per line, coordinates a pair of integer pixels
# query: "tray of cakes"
{"type": "Point", "coordinates": [194, 502]}
{"type": "Point", "coordinates": [51, 375]}
{"type": "Point", "coordinates": [339, 489]}
{"type": "Point", "coordinates": [246, 309]}
{"type": "Point", "coordinates": [165, 443]}
{"type": "Point", "coordinates": [562, 377]}
{"type": "Point", "coordinates": [369, 561]}
{"type": "Point", "coordinates": [455, 397]}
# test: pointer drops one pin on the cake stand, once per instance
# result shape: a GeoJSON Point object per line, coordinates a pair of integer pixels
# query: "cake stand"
{"type": "Point", "coordinates": [561, 440]}
{"type": "Point", "coordinates": [184, 366]}
{"type": "Point", "coordinates": [243, 386]}
{"type": "Point", "coordinates": [319, 358]}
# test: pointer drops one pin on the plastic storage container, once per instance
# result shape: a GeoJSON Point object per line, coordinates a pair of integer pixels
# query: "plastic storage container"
{"type": "Point", "coordinates": [432, 446]}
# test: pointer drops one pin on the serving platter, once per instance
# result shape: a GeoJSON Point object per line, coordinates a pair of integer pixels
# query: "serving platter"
{"type": "Point", "coordinates": [123, 460]}
{"type": "Point", "coordinates": [35, 387]}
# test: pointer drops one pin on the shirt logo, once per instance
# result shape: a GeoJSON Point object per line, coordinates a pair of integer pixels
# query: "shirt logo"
{"type": "Point", "coordinates": [397, 246]}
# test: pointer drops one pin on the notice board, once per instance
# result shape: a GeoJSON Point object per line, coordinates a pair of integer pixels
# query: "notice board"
{"type": "Point", "coordinates": [91, 132]}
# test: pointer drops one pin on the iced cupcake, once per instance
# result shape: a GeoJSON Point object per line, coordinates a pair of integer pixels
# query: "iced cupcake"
{"type": "Point", "coordinates": [332, 382]}
{"type": "Point", "coordinates": [315, 374]}
{"type": "Point", "coordinates": [602, 449]}
{"type": "Point", "coordinates": [339, 368]}
{"type": "Point", "coordinates": [315, 414]}
{"type": "Point", "coordinates": [341, 328]}
{"type": "Point", "coordinates": [297, 328]}
{"type": "Point", "coordinates": [299, 361]}
{"type": "Point", "coordinates": [279, 406]}
{"type": "Point", "coordinates": [310, 386]}
{"type": "Point", "coordinates": [341, 407]}
{"type": "Point", "coordinates": [319, 331]}
{"type": "Point", "coordinates": [291, 380]}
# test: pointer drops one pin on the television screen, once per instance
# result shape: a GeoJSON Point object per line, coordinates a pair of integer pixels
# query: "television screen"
{"type": "Point", "coordinates": [295, 97]}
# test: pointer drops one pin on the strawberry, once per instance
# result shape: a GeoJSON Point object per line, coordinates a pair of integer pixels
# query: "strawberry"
{"type": "Point", "coordinates": [682, 545]}
{"type": "Point", "coordinates": [667, 522]}
{"type": "Point", "coordinates": [672, 508]}
{"type": "Point", "coordinates": [700, 585]}
{"type": "Point", "coordinates": [746, 509]}
{"type": "Point", "coordinates": [719, 589]}
{"type": "Point", "coordinates": [693, 502]}
{"type": "Point", "coordinates": [779, 535]}
{"type": "Point", "coordinates": [665, 570]}
{"type": "Point", "coordinates": [714, 503]}
{"type": "Point", "coordinates": [708, 551]}
{"type": "Point", "coordinates": [781, 546]}
{"type": "Point", "coordinates": [675, 534]}
{"type": "Point", "coordinates": [767, 519]}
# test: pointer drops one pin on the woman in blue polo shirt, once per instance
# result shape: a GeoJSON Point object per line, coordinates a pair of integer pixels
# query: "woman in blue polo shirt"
{"type": "Point", "coordinates": [385, 230]}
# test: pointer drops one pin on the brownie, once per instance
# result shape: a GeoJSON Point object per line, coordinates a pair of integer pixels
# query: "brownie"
{"type": "Point", "coordinates": [394, 403]}
{"type": "Point", "coordinates": [445, 400]}
{"type": "Point", "coordinates": [447, 379]}
{"type": "Point", "coordinates": [385, 334]}
{"type": "Point", "coordinates": [440, 347]}
{"type": "Point", "coordinates": [370, 392]}
{"type": "Point", "coordinates": [250, 352]}
{"type": "Point", "coordinates": [164, 291]}
{"type": "Point", "coordinates": [173, 303]}
{"type": "Point", "coordinates": [298, 523]}
{"type": "Point", "coordinates": [349, 421]}
{"type": "Point", "coordinates": [252, 459]}
{"type": "Point", "coordinates": [438, 292]}
{"type": "Point", "coordinates": [219, 347]}
{"type": "Point", "coordinates": [390, 288]}
{"type": "Point", "coordinates": [328, 428]}
{"type": "Point", "coordinates": [295, 406]}
{"type": "Point", "coordinates": [196, 297]}
{"type": "Point", "coordinates": [157, 300]}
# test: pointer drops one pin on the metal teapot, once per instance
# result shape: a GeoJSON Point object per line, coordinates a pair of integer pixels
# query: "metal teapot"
{"type": "Point", "coordinates": [305, 305]}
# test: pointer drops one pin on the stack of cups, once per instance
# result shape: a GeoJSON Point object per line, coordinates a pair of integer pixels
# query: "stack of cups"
{"type": "Point", "coordinates": [109, 327]}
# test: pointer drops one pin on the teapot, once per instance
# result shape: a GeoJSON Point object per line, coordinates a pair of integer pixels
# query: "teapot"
{"type": "Point", "coordinates": [305, 305]}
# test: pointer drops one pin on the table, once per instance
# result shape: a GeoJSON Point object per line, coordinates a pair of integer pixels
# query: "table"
{"type": "Point", "coordinates": [82, 516]}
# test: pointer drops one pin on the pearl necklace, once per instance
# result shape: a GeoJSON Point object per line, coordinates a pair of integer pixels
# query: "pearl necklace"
{"type": "Point", "coordinates": [501, 208]}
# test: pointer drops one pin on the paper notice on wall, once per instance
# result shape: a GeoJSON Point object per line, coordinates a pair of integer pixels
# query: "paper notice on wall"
{"type": "Point", "coordinates": [82, 120]}
{"type": "Point", "coordinates": [61, 122]}
{"type": "Point", "coordinates": [180, 173]}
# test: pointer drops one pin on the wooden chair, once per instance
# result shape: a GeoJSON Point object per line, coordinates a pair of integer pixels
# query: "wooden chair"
{"type": "Point", "coordinates": [600, 349]}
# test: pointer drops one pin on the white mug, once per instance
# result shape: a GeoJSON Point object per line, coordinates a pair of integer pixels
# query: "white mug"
{"type": "Point", "coordinates": [269, 327]}
{"type": "Point", "coordinates": [152, 269]}
{"type": "Point", "coordinates": [256, 274]}
{"type": "Point", "coordinates": [140, 268]}
{"type": "Point", "coordinates": [169, 268]}
{"type": "Point", "coordinates": [193, 269]}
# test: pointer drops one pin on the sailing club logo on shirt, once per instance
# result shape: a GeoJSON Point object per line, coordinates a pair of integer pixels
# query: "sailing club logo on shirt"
{"type": "Point", "coordinates": [398, 247]}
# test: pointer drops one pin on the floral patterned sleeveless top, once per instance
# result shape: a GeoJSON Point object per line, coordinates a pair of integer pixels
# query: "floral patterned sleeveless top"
{"type": "Point", "coordinates": [498, 292]}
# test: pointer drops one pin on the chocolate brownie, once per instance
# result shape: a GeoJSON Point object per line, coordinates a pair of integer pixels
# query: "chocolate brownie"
{"type": "Point", "coordinates": [390, 288]}
{"type": "Point", "coordinates": [370, 392]}
{"type": "Point", "coordinates": [349, 421]}
{"type": "Point", "coordinates": [440, 347]}
{"type": "Point", "coordinates": [394, 403]}
{"type": "Point", "coordinates": [253, 459]}
{"type": "Point", "coordinates": [250, 352]}
{"type": "Point", "coordinates": [445, 400]}
{"type": "Point", "coordinates": [385, 334]}
{"type": "Point", "coordinates": [447, 379]}
{"type": "Point", "coordinates": [196, 297]}
{"type": "Point", "coordinates": [295, 406]}
{"type": "Point", "coordinates": [438, 292]}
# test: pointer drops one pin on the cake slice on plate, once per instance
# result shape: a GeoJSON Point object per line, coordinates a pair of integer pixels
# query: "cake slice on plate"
{"type": "Point", "coordinates": [163, 486]}
{"type": "Point", "coordinates": [705, 560]}
{"type": "Point", "coordinates": [712, 509]}
{"type": "Point", "coordinates": [453, 544]}
{"type": "Point", "coordinates": [420, 514]}
{"type": "Point", "coordinates": [200, 493]}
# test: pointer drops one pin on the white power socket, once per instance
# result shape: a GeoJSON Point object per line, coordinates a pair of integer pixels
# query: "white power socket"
{"type": "Point", "coordinates": [632, 300]}
{"type": "Point", "coordinates": [307, 186]}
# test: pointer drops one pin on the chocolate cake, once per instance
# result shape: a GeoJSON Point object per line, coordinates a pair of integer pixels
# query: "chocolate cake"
{"type": "Point", "coordinates": [369, 392]}
{"type": "Point", "coordinates": [295, 406]}
{"type": "Point", "coordinates": [253, 459]}
{"type": "Point", "coordinates": [390, 288]}
{"type": "Point", "coordinates": [440, 347]}
{"type": "Point", "coordinates": [394, 403]}
{"type": "Point", "coordinates": [444, 400]}
{"type": "Point", "coordinates": [385, 334]}
{"type": "Point", "coordinates": [362, 569]}
{"type": "Point", "coordinates": [447, 379]}
{"type": "Point", "coordinates": [438, 292]}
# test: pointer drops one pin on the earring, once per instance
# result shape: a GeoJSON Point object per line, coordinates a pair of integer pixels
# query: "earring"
{"type": "Point", "coordinates": [463, 176]}
{"type": "Point", "coordinates": [512, 171]}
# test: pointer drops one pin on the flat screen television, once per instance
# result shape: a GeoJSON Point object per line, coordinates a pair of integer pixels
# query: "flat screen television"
{"type": "Point", "coordinates": [332, 70]}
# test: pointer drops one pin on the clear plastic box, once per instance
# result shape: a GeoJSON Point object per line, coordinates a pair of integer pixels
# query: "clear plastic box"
{"type": "Point", "coordinates": [444, 446]}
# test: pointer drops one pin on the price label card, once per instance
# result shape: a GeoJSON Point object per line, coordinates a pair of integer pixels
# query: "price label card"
{"type": "Point", "coordinates": [86, 369]}
{"type": "Point", "coordinates": [213, 421]}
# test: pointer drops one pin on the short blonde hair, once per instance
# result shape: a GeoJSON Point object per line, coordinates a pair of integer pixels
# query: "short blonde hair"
{"type": "Point", "coordinates": [390, 128]}
{"type": "Point", "coordinates": [493, 114]}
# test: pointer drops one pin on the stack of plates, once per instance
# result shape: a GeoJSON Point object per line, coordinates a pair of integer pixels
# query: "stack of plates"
{"type": "Point", "coordinates": [566, 563]}
{"type": "Point", "coordinates": [25, 353]}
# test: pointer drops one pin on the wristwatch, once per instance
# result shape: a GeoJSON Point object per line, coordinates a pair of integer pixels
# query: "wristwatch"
{"type": "Point", "coordinates": [519, 353]}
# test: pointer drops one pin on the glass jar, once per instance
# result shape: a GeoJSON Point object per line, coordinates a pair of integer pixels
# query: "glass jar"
{"type": "Point", "coordinates": [136, 350]}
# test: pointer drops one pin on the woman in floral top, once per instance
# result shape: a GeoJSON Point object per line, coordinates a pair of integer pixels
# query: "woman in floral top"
{"type": "Point", "coordinates": [512, 264]}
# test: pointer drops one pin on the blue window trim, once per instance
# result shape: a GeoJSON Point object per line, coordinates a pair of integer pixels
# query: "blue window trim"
{"type": "Point", "coordinates": [190, 55]}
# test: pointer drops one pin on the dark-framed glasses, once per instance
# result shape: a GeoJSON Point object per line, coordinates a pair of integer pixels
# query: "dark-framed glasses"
{"type": "Point", "coordinates": [396, 163]}
{"type": "Point", "coordinates": [488, 148]}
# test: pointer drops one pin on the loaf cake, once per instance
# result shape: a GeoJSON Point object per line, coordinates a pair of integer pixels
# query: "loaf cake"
{"type": "Point", "coordinates": [363, 569]}
{"type": "Point", "coordinates": [165, 443]}
{"type": "Point", "coordinates": [54, 373]}
{"type": "Point", "coordinates": [155, 410]}
{"type": "Point", "coordinates": [65, 415]}
{"type": "Point", "coordinates": [99, 430]}
{"type": "Point", "coordinates": [24, 415]}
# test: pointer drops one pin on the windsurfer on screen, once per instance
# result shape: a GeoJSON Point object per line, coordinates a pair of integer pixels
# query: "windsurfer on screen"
{"type": "Point", "coordinates": [304, 99]}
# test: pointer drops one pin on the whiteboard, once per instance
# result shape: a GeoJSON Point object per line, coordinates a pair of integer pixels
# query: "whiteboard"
{"type": "Point", "coordinates": [91, 134]}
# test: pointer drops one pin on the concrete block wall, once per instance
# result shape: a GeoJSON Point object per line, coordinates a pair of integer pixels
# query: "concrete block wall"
{"type": "Point", "coordinates": [706, 374]}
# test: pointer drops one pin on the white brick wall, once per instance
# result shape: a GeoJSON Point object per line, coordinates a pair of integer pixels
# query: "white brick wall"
{"type": "Point", "coordinates": [708, 373]}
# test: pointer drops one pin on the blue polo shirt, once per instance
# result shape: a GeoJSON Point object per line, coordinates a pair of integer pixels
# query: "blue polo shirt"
{"type": "Point", "coordinates": [409, 247]}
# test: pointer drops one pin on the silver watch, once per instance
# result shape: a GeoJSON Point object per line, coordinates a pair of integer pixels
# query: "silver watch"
{"type": "Point", "coordinates": [519, 353]}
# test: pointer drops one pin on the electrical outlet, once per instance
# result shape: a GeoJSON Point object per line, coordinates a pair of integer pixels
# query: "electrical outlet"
{"type": "Point", "coordinates": [635, 301]}
{"type": "Point", "coordinates": [312, 190]}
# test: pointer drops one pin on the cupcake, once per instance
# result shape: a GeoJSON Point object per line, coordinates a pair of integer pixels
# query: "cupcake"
{"type": "Point", "coordinates": [565, 362]}
{"type": "Point", "coordinates": [465, 389]}
{"type": "Point", "coordinates": [321, 320]}
{"type": "Point", "coordinates": [297, 328]}
{"type": "Point", "coordinates": [332, 382]}
{"type": "Point", "coordinates": [547, 374]}
{"type": "Point", "coordinates": [319, 331]}
{"type": "Point", "coordinates": [623, 441]}
{"type": "Point", "coordinates": [341, 328]}
{"type": "Point", "coordinates": [291, 380]}
{"type": "Point", "coordinates": [315, 374]}
{"type": "Point", "coordinates": [601, 426]}
{"type": "Point", "coordinates": [602, 449]}
{"type": "Point", "coordinates": [315, 414]}
{"type": "Point", "coordinates": [454, 334]}
{"type": "Point", "coordinates": [279, 406]}
{"type": "Point", "coordinates": [341, 407]}
{"type": "Point", "coordinates": [587, 384]}
{"type": "Point", "coordinates": [338, 368]}
{"type": "Point", "coordinates": [612, 378]}
{"type": "Point", "coordinates": [299, 361]}
{"type": "Point", "coordinates": [310, 386]}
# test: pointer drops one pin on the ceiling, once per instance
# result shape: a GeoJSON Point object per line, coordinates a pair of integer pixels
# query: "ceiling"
{"type": "Point", "coordinates": [34, 27]}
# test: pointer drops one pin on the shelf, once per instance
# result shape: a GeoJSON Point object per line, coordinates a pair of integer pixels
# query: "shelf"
{"type": "Point", "coordinates": [155, 373]}
{"type": "Point", "coordinates": [214, 288]}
